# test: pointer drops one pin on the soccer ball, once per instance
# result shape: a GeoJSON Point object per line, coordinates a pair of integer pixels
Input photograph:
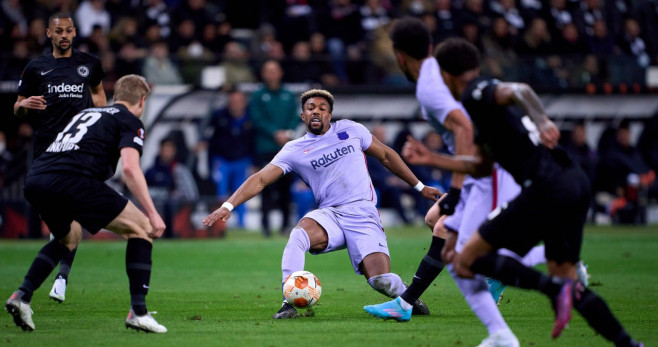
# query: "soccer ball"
{"type": "Point", "coordinates": [302, 289]}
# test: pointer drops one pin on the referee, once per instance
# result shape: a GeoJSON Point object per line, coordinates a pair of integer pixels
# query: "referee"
{"type": "Point", "coordinates": [53, 88]}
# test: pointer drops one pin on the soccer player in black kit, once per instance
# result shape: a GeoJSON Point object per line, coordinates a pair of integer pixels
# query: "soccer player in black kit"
{"type": "Point", "coordinates": [53, 88]}
{"type": "Point", "coordinates": [66, 184]}
{"type": "Point", "coordinates": [554, 199]}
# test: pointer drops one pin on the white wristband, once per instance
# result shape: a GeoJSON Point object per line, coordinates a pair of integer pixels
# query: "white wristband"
{"type": "Point", "coordinates": [419, 186]}
{"type": "Point", "coordinates": [227, 205]}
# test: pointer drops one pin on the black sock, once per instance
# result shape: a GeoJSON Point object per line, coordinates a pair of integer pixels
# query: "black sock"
{"type": "Point", "coordinates": [138, 268]}
{"type": "Point", "coordinates": [65, 265]}
{"type": "Point", "coordinates": [511, 272]}
{"type": "Point", "coordinates": [42, 266]}
{"type": "Point", "coordinates": [599, 317]}
{"type": "Point", "coordinates": [428, 269]}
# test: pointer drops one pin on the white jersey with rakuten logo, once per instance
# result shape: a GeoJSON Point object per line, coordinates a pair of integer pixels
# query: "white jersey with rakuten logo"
{"type": "Point", "coordinates": [333, 164]}
{"type": "Point", "coordinates": [436, 101]}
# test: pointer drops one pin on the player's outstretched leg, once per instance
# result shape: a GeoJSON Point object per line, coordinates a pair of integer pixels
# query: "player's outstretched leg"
{"type": "Point", "coordinates": [21, 311]}
{"type": "Point", "coordinates": [58, 291]}
{"type": "Point", "coordinates": [138, 268]}
{"type": "Point", "coordinates": [287, 310]}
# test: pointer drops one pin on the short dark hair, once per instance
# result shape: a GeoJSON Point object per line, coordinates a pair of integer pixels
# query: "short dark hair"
{"type": "Point", "coordinates": [318, 93]}
{"type": "Point", "coordinates": [60, 15]}
{"type": "Point", "coordinates": [411, 36]}
{"type": "Point", "coordinates": [456, 56]}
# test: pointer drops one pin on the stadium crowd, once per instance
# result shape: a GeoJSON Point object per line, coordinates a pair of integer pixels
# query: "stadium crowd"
{"type": "Point", "coordinates": [556, 45]}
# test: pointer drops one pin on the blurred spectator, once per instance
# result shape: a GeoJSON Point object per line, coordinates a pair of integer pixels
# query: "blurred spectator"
{"type": "Point", "coordinates": [600, 42]}
{"type": "Point", "coordinates": [415, 8]}
{"type": "Point", "coordinates": [618, 160]}
{"type": "Point", "coordinates": [389, 187]}
{"type": "Point", "coordinates": [295, 21]}
{"type": "Point", "coordinates": [96, 43]}
{"type": "Point", "coordinates": [128, 61]}
{"type": "Point", "coordinates": [152, 34]}
{"type": "Point", "coordinates": [229, 138]}
{"type": "Point", "coordinates": [36, 40]}
{"type": "Point", "coordinates": [275, 115]}
{"type": "Point", "coordinates": [199, 12]}
{"type": "Point", "coordinates": [90, 13]}
{"type": "Point", "coordinates": [156, 12]}
{"type": "Point", "coordinates": [557, 15]}
{"type": "Point", "coordinates": [158, 69]}
{"type": "Point", "coordinates": [508, 10]}
{"type": "Point", "coordinates": [499, 57]}
{"type": "Point", "coordinates": [470, 31]}
{"type": "Point", "coordinates": [213, 40]}
{"type": "Point", "coordinates": [570, 42]}
{"type": "Point", "coordinates": [14, 13]}
{"type": "Point", "coordinates": [5, 158]}
{"type": "Point", "coordinates": [111, 75]}
{"type": "Point", "coordinates": [125, 30]}
{"type": "Point", "coordinates": [475, 11]}
{"type": "Point", "coordinates": [303, 198]}
{"type": "Point", "coordinates": [383, 57]}
{"type": "Point", "coordinates": [171, 184]}
{"type": "Point", "coordinates": [300, 68]}
{"type": "Point", "coordinates": [536, 40]}
{"type": "Point", "coordinates": [21, 153]}
{"type": "Point", "coordinates": [591, 12]}
{"type": "Point", "coordinates": [11, 68]}
{"type": "Point", "coordinates": [342, 27]}
{"type": "Point", "coordinates": [373, 15]}
{"type": "Point", "coordinates": [446, 21]}
{"type": "Point", "coordinates": [576, 145]}
{"type": "Point", "coordinates": [647, 145]}
{"type": "Point", "coordinates": [236, 64]}
{"type": "Point", "coordinates": [632, 43]}
{"type": "Point", "coordinates": [168, 177]}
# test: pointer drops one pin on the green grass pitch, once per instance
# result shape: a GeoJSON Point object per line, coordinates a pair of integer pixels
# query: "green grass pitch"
{"type": "Point", "coordinates": [224, 292]}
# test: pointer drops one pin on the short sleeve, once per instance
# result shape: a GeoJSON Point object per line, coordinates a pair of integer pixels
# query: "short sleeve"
{"type": "Point", "coordinates": [27, 85]}
{"type": "Point", "coordinates": [433, 94]}
{"type": "Point", "coordinates": [131, 132]}
{"type": "Point", "coordinates": [364, 135]}
{"type": "Point", "coordinates": [283, 159]}
{"type": "Point", "coordinates": [97, 73]}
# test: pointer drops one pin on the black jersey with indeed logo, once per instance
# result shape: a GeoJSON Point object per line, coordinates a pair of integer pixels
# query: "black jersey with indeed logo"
{"type": "Point", "coordinates": [64, 83]}
{"type": "Point", "coordinates": [90, 144]}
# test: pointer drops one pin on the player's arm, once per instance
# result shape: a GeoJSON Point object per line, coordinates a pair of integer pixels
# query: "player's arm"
{"type": "Point", "coordinates": [477, 165]}
{"type": "Point", "coordinates": [394, 163]}
{"type": "Point", "coordinates": [134, 178]}
{"type": "Point", "coordinates": [521, 94]}
{"type": "Point", "coordinates": [461, 126]}
{"type": "Point", "coordinates": [23, 104]}
{"type": "Point", "coordinates": [98, 95]}
{"type": "Point", "coordinates": [247, 190]}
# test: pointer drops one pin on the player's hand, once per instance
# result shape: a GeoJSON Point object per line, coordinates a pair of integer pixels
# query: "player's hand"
{"type": "Point", "coordinates": [37, 102]}
{"type": "Point", "coordinates": [549, 134]}
{"type": "Point", "coordinates": [221, 213]}
{"type": "Point", "coordinates": [430, 193]}
{"type": "Point", "coordinates": [415, 152]}
{"type": "Point", "coordinates": [448, 203]}
{"type": "Point", "coordinates": [158, 226]}
{"type": "Point", "coordinates": [448, 253]}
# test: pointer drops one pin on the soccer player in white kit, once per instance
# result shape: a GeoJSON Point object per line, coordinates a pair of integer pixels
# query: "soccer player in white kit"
{"type": "Point", "coordinates": [330, 159]}
{"type": "Point", "coordinates": [468, 201]}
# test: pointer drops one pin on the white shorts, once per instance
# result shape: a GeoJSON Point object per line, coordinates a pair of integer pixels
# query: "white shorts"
{"type": "Point", "coordinates": [478, 198]}
{"type": "Point", "coordinates": [355, 226]}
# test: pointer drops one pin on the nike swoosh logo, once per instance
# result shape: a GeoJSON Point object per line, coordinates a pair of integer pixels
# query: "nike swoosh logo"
{"type": "Point", "coordinates": [55, 291]}
{"type": "Point", "coordinates": [43, 73]}
{"type": "Point", "coordinates": [145, 286]}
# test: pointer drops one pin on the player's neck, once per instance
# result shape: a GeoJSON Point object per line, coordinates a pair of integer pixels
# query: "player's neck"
{"type": "Point", "coordinates": [65, 54]}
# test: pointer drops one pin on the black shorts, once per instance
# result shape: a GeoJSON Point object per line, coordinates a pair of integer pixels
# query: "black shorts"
{"type": "Point", "coordinates": [553, 211]}
{"type": "Point", "coordinates": [61, 199]}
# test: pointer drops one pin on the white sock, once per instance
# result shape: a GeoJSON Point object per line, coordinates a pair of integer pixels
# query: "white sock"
{"type": "Point", "coordinates": [536, 256]}
{"type": "Point", "coordinates": [295, 252]}
{"type": "Point", "coordinates": [405, 305]}
{"type": "Point", "coordinates": [476, 293]}
{"type": "Point", "coordinates": [389, 284]}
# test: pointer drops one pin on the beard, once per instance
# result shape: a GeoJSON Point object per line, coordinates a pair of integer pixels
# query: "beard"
{"type": "Point", "coordinates": [315, 130]}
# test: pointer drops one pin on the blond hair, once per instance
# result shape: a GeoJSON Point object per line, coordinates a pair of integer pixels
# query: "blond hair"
{"type": "Point", "coordinates": [318, 93]}
{"type": "Point", "coordinates": [131, 88]}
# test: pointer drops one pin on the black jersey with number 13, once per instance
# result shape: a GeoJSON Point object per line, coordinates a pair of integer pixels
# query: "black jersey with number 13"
{"type": "Point", "coordinates": [64, 83]}
{"type": "Point", "coordinates": [91, 143]}
{"type": "Point", "coordinates": [510, 137]}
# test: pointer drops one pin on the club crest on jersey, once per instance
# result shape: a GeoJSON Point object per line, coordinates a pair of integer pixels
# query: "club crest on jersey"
{"type": "Point", "coordinates": [140, 133]}
{"type": "Point", "coordinates": [139, 139]}
{"type": "Point", "coordinates": [83, 71]}
{"type": "Point", "coordinates": [343, 135]}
